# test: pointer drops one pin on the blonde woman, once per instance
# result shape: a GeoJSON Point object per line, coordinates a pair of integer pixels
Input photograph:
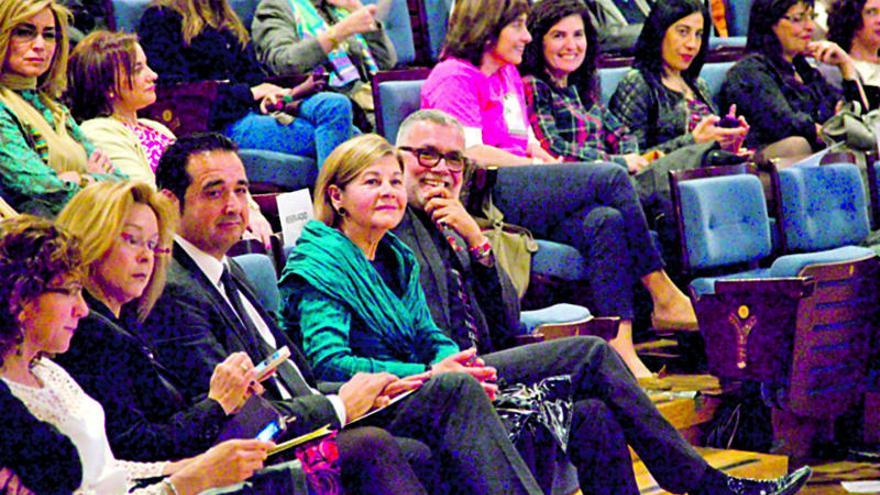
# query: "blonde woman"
{"type": "Point", "coordinates": [44, 157]}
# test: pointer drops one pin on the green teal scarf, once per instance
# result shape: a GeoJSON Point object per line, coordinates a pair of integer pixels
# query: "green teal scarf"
{"type": "Point", "coordinates": [328, 261]}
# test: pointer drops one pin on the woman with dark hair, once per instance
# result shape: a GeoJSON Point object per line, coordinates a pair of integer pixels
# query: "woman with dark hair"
{"type": "Point", "coordinates": [783, 96]}
{"type": "Point", "coordinates": [663, 100]}
{"type": "Point", "coordinates": [855, 26]}
{"type": "Point", "coordinates": [198, 40]}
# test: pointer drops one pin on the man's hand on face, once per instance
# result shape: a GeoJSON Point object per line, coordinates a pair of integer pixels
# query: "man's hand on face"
{"type": "Point", "coordinates": [448, 211]}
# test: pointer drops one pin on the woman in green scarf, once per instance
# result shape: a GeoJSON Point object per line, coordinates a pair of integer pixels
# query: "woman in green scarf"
{"type": "Point", "coordinates": [44, 157]}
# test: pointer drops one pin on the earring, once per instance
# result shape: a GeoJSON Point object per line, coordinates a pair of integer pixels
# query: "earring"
{"type": "Point", "coordinates": [342, 211]}
{"type": "Point", "coordinates": [111, 95]}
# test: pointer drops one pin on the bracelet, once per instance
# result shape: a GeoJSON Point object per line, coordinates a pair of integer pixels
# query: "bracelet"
{"type": "Point", "coordinates": [331, 35]}
{"type": "Point", "coordinates": [169, 487]}
{"type": "Point", "coordinates": [481, 251]}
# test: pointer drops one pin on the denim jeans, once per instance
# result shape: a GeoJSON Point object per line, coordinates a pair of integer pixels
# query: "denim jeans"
{"type": "Point", "coordinates": [324, 122]}
{"type": "Point", "coordinates": [594, 208]}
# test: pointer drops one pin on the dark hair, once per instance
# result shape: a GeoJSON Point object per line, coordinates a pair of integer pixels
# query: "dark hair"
{"type": "Point", "coordinates": [476, 24]}
{"type": "Point", "coordinates": [763, 15]}
{"type": "Point", "coordinates": [96, 68]}
{"type": "Point", "coordinates": [649, 47]}
{"type": "Point", "coordinates": [844, 19]}
{"type": "Point", "coordinates": [543, 17]}
{"type": "Point", "coordinates": [171, 173]}
{"type": "Point", "coordinates": [33, 252]}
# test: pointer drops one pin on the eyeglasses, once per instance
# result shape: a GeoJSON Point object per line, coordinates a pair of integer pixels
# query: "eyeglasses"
{"type": "Point", "coordinates": [72, 290]}
{"type": "Point", "coordinates": [430, 158]}
{"type": "Point", "coordinates": [27, 33]}
{"type": "Point", "coordinates": [136, 242]}
{"type": "Point", "coordinates": [801, 18]}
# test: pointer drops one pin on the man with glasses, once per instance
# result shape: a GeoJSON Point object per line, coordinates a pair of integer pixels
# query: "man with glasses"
{"type": "Point", "coordinates": [472, 299]}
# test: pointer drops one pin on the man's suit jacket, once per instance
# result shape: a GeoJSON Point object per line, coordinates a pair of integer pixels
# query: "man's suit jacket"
{"type": "Point", "coordinates": [496, 308]}
{"type": "Point", "coordinates": [194, 329]}
{"type": "Point", "coordinates": [147, 418]}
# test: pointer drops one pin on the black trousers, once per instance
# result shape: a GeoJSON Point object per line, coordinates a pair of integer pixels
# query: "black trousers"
{"type": "Point", "coordinates": [604, 388]}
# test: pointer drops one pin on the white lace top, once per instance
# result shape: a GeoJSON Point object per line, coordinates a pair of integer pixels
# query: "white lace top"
{"type": "Point", "coordinates": [62, 403]}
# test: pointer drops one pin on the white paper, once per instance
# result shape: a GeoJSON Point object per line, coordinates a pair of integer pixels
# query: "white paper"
{"type": "Point", "coordinates": [872, 486]}
{"type": "Point", "coordinates": [294, 210]}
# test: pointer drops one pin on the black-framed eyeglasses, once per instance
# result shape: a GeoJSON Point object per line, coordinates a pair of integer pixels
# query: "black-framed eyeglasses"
{"type": "Point", "coordinates": [430, 158]}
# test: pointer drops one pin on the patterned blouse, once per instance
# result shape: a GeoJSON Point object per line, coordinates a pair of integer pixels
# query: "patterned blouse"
{"type": "Point", "coordinates": [152, 141]}
{"type": "Point", "coordinates": [62, 403]}
{"type": "Point", "coordinates": [566, 128]}
{"type": "Point", "coordinates": [25, 173]}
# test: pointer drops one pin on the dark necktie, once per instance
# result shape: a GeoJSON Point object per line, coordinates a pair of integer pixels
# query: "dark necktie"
{"type": "Point", "coordinates": [289, 375]}
{"type": "Point", "coordinates": [461, 297]}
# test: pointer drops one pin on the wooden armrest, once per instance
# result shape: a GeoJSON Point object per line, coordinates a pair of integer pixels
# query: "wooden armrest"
{"type": "Point", "coordinates": [604, 327]}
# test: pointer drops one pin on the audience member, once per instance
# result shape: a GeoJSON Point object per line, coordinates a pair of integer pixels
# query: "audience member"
{"type": "Point", "coordinates": [662, 99]}
{"type": "Point", "coordinates": [43, 461]}
{"type": "Point", "coordinates": [109, 82]}
{"type": "Point", "coordinates": [352, 288]}
{"type": "Point", "coordinates": [209, 311]}
{"type": "Point", "coordinates": [344, 36]}
{"type": "Point", "coordinates": [44, 157]}
{"type": "Point", "coordinates": [855, 26]}
{"type": "Point", "coordinates": [190, 40]}
{"type": "Point", "coordinates": [784, 98]}
{"type": "Point", "coordinates": [40, 280]}
{"type": "Point", "coordinates": [581, 193]}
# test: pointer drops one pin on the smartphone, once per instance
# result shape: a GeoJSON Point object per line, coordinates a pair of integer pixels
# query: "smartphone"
{"type": "Point", "coordinates": [270, 363]}
{"type": "Point", "coordinates": [729, 122]}
{"type": "Point", "coordinates": [271, 430]}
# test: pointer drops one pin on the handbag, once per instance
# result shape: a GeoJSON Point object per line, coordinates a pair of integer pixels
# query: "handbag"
{"type": "Point", "coordinates": [513, 245]}
{"type": "Point", "coordinates": [852, 128]}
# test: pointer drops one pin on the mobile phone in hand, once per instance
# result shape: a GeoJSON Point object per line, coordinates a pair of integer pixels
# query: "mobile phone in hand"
{"type": "Point", "coordinates": [268, 365]}
{"type": "Point", "coordinates": [272, 430]}
{"type": "Point", "coordinates": [729, 122]}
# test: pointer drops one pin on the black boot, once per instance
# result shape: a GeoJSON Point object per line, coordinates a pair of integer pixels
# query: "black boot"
{"type": "Point", "coordinates": [718, 483]}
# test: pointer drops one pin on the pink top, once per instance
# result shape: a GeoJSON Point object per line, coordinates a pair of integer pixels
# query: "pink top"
{"type": "Point", "coordinates": [152, 141]}
{"type": "Point", "coordinates": [496, 104]}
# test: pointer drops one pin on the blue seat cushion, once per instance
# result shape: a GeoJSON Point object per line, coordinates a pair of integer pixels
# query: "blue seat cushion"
{"type": "Point", "coordinates": [609, 78]}
{"type": "Point", "coordinates": [559, 261]}
{"type": "Point", "coordinates": [290, 172]}
{"type": "Point", "coordinates": [823, 207]}
{"type": "Point", "coordinates": [399, 99]}
{"type": "Point", "coordinates": [558, 313]}
{"type": "Point", "coordinates": [792, 264]}
{"type": "Point", "coordinates": [261, 273]}
{"type": "Point", "coordinates": [706, 285]}
{"type": "Point", "coordinates": [725, 220]}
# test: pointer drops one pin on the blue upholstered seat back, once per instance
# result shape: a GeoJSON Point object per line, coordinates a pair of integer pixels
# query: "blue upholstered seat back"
{"type": "Point", "coordinates": [725, 220]}
{"type": "Point", "coordinates": [262, 275]}
{"type": "Point", "coordinates": [399, 99]}
{"type": "Point", "coordinates": [739, 17]}
{"type": "Point", "coordinates": [399, 29]}
{"type": "Point", "coordinates": [437, 20]}
{"type": "Point", "coordinates": [713, 73]}
{"type": "Point", "coordinates": [823, 207]}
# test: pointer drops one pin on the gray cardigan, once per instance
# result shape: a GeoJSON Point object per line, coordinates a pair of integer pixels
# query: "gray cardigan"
{"type": "Point", "coordinates": [283, 52]}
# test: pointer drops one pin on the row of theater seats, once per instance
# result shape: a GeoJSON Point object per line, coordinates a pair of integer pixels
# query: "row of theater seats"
{"type": "Point", "coordinates": [806, 323]}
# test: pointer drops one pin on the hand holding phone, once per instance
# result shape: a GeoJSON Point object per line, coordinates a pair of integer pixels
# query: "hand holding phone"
{"type": "Point", "coordinates": [268, 365]}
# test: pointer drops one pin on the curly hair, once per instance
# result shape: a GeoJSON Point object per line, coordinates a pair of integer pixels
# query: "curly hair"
{"type": "Point", "coordinates": [33, 253]}
{"type": "Point", "coordinates": [844, 20]}
{"type": "Point", "coordinates": [649, 47]}
{"type": "Point", "coordinates": [544, 16]}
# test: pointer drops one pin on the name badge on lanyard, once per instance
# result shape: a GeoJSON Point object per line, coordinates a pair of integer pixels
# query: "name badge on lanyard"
{"type": "Point", "coordinates": [513, 115]}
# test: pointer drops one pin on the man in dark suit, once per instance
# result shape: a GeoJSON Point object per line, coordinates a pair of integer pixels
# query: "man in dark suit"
{"type": "Point", "coordinates": [209, 310]}
{"type": "Point", "coordinates": [471, 297]}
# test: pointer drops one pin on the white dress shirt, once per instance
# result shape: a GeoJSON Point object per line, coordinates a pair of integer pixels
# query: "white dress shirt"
{"type": "Point", "coordinates": [213, 269]}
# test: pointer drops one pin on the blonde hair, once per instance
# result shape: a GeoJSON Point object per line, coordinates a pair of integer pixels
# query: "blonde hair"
{"type": "Point", "coordinates": [343, 166]}
{"type": "Point", "coordinates": [14, 12]}
{"type": "Point", "coordinates": [96, 216]}
{"type": "Point", "coordinates": [200, 13]}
